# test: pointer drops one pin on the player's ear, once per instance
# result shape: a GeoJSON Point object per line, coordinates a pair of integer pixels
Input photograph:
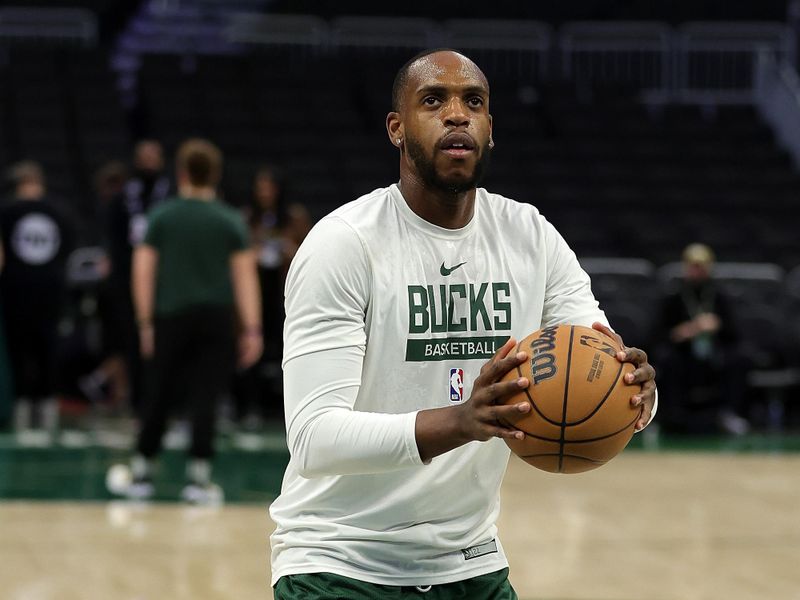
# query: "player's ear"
{"type": "Point", "coordinates": [491, 139]}
{"type": "Point", "coordinates": [394, 127]}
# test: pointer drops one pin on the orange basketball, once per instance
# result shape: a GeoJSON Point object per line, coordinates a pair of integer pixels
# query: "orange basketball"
{"type": "Point", "coordinates": [581, 413]}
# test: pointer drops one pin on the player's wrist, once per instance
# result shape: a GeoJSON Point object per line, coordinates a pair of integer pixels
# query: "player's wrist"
{"type": "Point", "coordinates": [463, 429]}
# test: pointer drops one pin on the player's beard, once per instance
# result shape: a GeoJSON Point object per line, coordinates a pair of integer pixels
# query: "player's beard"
{"type": "Point", "coordinates": [431, 178]}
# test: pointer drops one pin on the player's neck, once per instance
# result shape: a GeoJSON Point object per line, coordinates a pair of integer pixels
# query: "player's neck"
{"type": "Point", "coordinates": [193, 192]}
{"type": "Point", "coordinates": [442, 208]}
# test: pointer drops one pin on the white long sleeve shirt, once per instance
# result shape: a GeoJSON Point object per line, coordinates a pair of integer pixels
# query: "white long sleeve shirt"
{"type": "Point", "coordinates": [386, 315]}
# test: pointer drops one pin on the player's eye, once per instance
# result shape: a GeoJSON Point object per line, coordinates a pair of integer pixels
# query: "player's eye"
{"type": "Point", "coordinates": [430, 100]}
{"type": "Point", "coordinates": [475, 101]}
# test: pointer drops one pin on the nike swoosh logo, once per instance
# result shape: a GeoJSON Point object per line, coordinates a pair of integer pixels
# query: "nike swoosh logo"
{"type": "Point", "coordinates": [445, 271]}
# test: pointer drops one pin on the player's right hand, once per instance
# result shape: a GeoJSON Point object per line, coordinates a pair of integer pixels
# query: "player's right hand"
{"type": "Point", "coordinates": [147, 342]}
{"type": "Point", "coordinates": [251, 345]}
{"type": "Point", "coordinates": [480, 417]}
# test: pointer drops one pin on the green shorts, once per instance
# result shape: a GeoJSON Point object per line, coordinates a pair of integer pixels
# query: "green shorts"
{"type": "Point", "coordinates": [327, 586]}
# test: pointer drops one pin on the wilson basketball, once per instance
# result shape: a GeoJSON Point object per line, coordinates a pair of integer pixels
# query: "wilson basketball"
{"type": "Point", "coordinates": [581, 413]}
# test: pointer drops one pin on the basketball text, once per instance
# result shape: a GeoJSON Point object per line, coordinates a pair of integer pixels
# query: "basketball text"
{"type": "Point", "coordinates": [543, 361]}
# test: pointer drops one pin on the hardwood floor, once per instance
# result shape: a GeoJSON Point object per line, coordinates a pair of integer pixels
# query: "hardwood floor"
{"type": "Point", "coordinates": [647, 526]}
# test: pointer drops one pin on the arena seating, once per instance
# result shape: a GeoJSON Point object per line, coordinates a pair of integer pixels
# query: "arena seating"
{"type": "Point", "coordinates": [60, 108]}
{"type": "Point", "coordinates": [627, 182]}
{"type": "Point", "coordinates": [617, 177]}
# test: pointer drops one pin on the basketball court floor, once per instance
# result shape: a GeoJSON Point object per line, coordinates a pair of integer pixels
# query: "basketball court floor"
{"type": "Point", "coordinates": [703, 522]}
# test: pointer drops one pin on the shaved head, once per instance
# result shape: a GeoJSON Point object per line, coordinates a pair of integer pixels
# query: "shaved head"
{"type": "Point", "coordinates": [424, 61]}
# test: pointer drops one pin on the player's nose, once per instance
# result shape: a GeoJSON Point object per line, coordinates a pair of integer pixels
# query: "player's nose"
{"type": "Point", "coordinates": [455, 113]}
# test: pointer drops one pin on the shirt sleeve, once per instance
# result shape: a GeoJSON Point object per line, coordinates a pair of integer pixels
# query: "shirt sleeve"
{"type": "Point", "coordinates": [153, 236]}
{"type": "Point", "coordinates": [240, 237]}
{"type": "Point", "coordinates": [327, 296]}
{"type": "Point", "coordinates": [568, 292]}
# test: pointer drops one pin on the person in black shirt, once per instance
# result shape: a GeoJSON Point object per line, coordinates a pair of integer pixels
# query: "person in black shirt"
{"type": "Point", "coordinates": [148, 186]}
{"type": "Point", "coordinates": [702, 364]}
{"type": "Point", "coordinates": [37, 237]}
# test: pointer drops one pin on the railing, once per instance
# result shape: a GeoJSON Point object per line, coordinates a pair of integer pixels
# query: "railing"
{"type": "Point", "coordinates": [64, 25]}
{"type": "Point", "coordinates": [716, 61]}
{"type": "Point", "coordinates": [277, 30]}
{"type": "Point", "coordinates": [407, 33]}
{"type": "Point", "coordinates": [699, 62]}
{"type": "Point", "coordinates": [630, 53]}
{"type": "Point", "coordinates": [522, 47]}
{"type": "Point", "coordinates": [519, 46]}
{"type": "Point", "coordinates": [777, 95]}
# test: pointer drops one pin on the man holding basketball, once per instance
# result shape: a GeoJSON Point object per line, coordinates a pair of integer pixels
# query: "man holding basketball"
{"type": "Point", "coordinates": [393, 484]}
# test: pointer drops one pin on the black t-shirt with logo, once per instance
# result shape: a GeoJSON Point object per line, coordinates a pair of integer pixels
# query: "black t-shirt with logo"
{"type": "Point", "coordinates": [127, 222]}
{"type": "Point", "coordinates": [37, 238]}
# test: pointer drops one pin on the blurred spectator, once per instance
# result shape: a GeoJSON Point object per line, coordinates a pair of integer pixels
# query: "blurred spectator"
{"type": "Point", "coordinates": [192, 270]}
{"type": "Point", "coordinates": [6, 383]}
{"type": "Point", "coordinates": [37, 237]}
{"type": "Point", "coordinates": [126, 227]}
{"type": "Point", "coordinates": [702, 365]}
{"type": "Point", "coordinates": [109, 183]}
{"type": "Point", "coordinates": [276, 231]}
{"type": "Point", "coordinates": [108, 382]}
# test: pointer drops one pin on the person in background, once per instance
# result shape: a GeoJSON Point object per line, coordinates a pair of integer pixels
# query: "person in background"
{"type": "Point", "coordinates": [6, 383]}
{"type": "Point", "coordinates": [126, 226]}
{"type": "Point", "coordinates": [108, 382]}
{"type": "Point", "coordinates": [701, 353]}
{"type": "Point", "coordinates": [109, 183]}
{"type": "Point", "coordinates": [37, 237]}
{"type": "Point", "coordinates": [193, 274]}
{"type": "Point", "coordinates": [276, 231]}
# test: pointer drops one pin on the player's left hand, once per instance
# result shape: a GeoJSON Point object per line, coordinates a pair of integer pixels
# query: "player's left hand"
{"type": "Point", "coordinates": [644, 374]}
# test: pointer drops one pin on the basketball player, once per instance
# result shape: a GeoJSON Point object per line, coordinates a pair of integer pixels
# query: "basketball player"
{"type": "Point", "coordinates": [392, 489]}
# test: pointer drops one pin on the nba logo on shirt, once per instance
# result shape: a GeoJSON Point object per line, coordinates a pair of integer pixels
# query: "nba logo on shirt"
{"type": "Point", "coordinates": [456, 385]}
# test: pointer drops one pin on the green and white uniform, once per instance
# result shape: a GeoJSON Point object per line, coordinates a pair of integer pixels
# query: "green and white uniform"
{"type": "Point", "coordinates": [383, 312]}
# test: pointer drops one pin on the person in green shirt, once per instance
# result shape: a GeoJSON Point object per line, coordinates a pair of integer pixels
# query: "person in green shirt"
{"type": "Point", "coordinates": [192, 276]}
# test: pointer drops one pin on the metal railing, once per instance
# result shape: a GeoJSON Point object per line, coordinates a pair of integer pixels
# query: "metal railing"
{"type": "Point", "coordinates": [708, 62]}
{"type": "Point", "coordinates": [62, 25]}
{"type": "Point", "coordinates": [777, 96]}
{"type": "Point", "coordinates": [630, 53]}
{"type": "Point", "coordinates": [716, 61]}
{"type": "Point", "coordinates": [277, 30]}
{"type": "Point", "coordinates": [516, 46]}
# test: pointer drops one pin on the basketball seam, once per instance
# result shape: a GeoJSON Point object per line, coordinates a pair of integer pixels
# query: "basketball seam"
{"type": "Point", "coordinates": [501, 420]}
{"type": "Point", "coordinates": [603, 401]}
{"type": "Point", "coordinates": [582, 441]}
{"type": "Point", "coordinates": [531, 400]}
{"type": "Point", "coordinates": [539, 412]}
{"type": "Point", "coordinates": [566, 398]}
{"type": "Point", "coordinates": [579, 421]}
{"type": "Point", "coordinates": [519, 371]}
{"type": "Point", "coordinates": [546, 454]}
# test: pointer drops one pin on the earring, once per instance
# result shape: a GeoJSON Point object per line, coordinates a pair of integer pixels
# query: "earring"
{"type": "Point", "coordinates": [491, 143]}
{"type": "Point", "coordinates": [399, 141]}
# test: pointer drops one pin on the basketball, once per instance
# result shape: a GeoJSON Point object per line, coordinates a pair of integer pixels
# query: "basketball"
{"type": "Point", "coordinates": [581, 414]}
